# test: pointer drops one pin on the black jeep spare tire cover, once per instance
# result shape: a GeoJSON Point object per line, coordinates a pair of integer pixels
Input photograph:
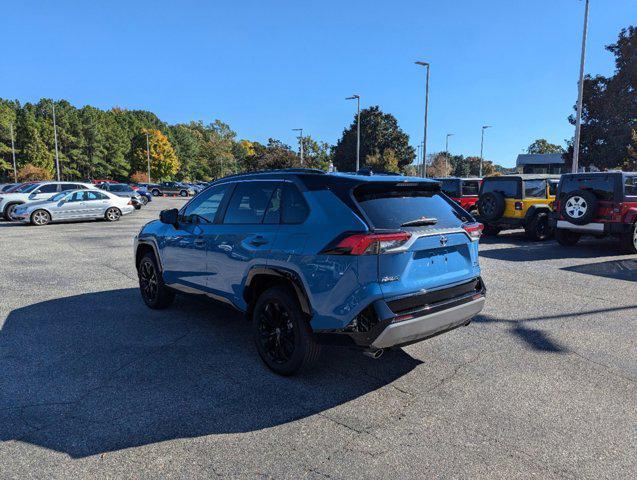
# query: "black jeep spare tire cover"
{"type": "Point", "coordinates": [491, 205]}
{"type": "Point", "coordinates": [579, 207]}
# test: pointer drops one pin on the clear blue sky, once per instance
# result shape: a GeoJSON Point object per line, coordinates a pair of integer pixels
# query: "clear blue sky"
{"type": "Point", "coordinates": [266, 67]}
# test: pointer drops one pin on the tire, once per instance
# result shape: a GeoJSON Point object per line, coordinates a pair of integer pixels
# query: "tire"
{"type": "Point", "coordinates": [538, 227]}
{"type": "Point", "coordinates": [39, 218]}
{"type": "Point", "coordinates": [137, 206]}
{"type": "Point", "coordinates": [183, 193]}
{"type": "Point", "coordinates": [566, 238]}
{"type": "Point", "coordinates": [628, 240]}
{"type": "Point", "coordinates": [491, 206]}
{"type": "Point", "coordinates": [580, 207]}
{"type": "Point", "coordinates": [282, 333]}
{"type": "Point", "coordinates": [154, 192]}
{"type": "Point", "coordinates": [151, 284]}
{"type": "Point", "coordinates": [8, 210]}
{"type": "Point", "coordinates": [112, 214]}
{"type": "Point", "coordinates": [491, 231]}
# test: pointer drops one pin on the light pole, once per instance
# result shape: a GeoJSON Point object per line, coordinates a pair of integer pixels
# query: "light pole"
{"type": "Point", "coordinates": [424, 142]}
{"type": "Point", "coordinates": [55, 139]}
{"type": "Point", "coordinates": [447, 153]}
{"type": "Point", "coordinates": [300, 130]}
{"type": "Point", "coordinates": [580, 93]}
{"type": "Point", "coordinates": [148, 155]}
{"type": "Point", "coordinates": [15, 168]}
{"type": "Point", "coordinates": [484, 127]}
{"type": "Point", "coordinates": [358, 129]}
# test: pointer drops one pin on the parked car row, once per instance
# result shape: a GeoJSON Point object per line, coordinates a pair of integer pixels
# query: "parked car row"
{"type": "Point", "coordinates": [567, 206]}
{"type": "Point", "coordinates": [40, 203]}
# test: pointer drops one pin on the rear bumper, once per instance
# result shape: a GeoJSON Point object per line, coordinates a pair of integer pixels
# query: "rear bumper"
{"type": "Point", "coordinates": [411, 318]}
{"type": "Point", "coordinates": [593, 228]}
{"type": "Point", "coordinates": [428, 325]}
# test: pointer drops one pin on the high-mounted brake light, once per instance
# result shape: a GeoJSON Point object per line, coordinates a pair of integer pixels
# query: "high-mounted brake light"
{"type": "Point", "coordinates": [474, 230]}
{"type": "Point", "coordinates": [369, 243]}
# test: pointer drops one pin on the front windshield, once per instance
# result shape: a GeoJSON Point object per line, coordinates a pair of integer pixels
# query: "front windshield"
{"type": "Point", "coordinates": [58, 196]}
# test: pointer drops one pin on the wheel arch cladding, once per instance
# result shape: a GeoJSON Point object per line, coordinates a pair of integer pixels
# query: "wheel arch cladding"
{"type": "Point", "coordinates": [539, 208]}
{"type": "Point", "coordinates": [259, 279]}
{"type": "Point", "coordinates": [142, 249]}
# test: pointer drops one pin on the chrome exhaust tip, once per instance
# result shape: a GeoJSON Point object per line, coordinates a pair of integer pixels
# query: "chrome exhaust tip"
{"type": "Point", "coordinates": [373, 352]}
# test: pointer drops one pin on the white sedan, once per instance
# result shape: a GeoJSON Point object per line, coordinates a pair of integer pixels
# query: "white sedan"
{"type": "Point", "coordinates": [74, 205]}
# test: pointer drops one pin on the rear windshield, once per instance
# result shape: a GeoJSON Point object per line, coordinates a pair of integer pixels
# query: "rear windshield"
{"type": "Point", "coordinates": [508, 187]}
{"type": "Point", "coordinates": [602, 185]}
{"type": "Point", "coordinates": [392, 206]}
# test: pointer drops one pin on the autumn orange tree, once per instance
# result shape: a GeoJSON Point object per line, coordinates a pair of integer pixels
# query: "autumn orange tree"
{"type": "Point", "coordinates": [30, 172]}
{"type": "Point", "coordinates": [164, 163]}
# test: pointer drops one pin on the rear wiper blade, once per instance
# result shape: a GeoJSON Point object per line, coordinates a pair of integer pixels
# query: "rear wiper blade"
{"type": "Point", "coordinates": [419, 222]}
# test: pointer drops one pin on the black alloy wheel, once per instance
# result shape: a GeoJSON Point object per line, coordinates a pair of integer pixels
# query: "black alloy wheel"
{"type": "Point", "coordinates": [282, 333]}
{"type": "Point", "coordinates": [151, 285]}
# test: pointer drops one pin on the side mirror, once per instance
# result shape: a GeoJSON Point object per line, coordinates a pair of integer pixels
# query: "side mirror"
{"type": "Point", "coordinates": [32, 196]}
{"type": "Point", "coordinates": [169, 217]}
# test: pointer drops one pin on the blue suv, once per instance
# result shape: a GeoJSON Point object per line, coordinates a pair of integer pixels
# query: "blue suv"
{"type": "Point", "coordinates": [371, 261]}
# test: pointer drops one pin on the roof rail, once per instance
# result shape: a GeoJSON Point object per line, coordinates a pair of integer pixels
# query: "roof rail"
{"type": "Point", "coordinates": [368, 171]}
{"type": "Point", "coordinates": [280, 170]}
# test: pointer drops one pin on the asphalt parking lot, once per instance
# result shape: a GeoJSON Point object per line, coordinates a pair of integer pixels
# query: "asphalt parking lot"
{"type": "Point", "coordinates": [95, 385]}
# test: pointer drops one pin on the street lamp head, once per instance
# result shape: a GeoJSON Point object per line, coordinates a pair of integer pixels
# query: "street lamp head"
{"type": "Point", "coordinates": [486, 126]}
{"type": "Point", "coordinates": [353, 97]}
{"type": "Point", "coordinates": [423, 64]}
{"type": "Point", "coordinates": [450, 134]}
{"type": "Point", "coordinates": [297, 129]}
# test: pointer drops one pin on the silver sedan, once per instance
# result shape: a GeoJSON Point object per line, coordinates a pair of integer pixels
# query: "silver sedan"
{"type": "Point", "coordinates": [74, 205]}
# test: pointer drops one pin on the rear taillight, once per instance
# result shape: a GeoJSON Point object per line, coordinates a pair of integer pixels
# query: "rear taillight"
{"type": "Point", "coordinates": [474, 230]}
{"type": "Point", "coordinates": [518, 205]}
{"type": "Point", "coordinates": [368, 243]}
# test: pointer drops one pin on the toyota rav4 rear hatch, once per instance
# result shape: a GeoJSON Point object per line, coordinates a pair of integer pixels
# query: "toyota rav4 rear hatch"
{"type": "Point", "coordinates": [431, 243]}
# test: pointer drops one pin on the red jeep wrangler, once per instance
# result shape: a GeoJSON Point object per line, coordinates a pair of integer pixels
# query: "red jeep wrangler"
{"type": "Point", "coordinates": [463, 191]}
{"type": "Point", "coordinates": [598, 204]}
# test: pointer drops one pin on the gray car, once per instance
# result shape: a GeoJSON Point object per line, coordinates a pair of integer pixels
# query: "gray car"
{"type": "Point", "coordinates": [124, 190]}
{"type": "Point", "coordinates": [74, 205]}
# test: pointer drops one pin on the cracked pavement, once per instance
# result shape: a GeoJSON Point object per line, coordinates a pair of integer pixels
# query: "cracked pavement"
{"type": "Point", "coordinates": [95, 385]}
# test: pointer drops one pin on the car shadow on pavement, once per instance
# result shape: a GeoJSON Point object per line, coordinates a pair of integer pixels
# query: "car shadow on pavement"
{"type": "Point", "coordinates": [617, 269]}
{"type": "Point", "coordinates": [540, 251]}
{"type": "Point", "coordinates": [100, 372]}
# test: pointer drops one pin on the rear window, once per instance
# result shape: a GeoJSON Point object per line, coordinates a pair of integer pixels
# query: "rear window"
{"type": "Point", "coordinates": [450, 187]}
{"type": "Point", "coordinates": [602, 185]}
{"type": "Point", "coordinates": [509, 187]}
{"type": "Point", "coordinates": [391, 206]}
{"type": "Point", "coordinates": [470, 188]}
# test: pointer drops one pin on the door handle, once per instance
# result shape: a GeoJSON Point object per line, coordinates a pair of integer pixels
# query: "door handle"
{"type": "Point", "coordinates": [258, 241]}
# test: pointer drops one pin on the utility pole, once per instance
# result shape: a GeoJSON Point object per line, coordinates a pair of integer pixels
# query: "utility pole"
{"type": "Point", "coordinates": [424, 142]}
{"type": "Point", "coordinates": [55, 139]}
{"type": "Point", "coordinates": [300, 141]}
{"type": "Point", "coordinates": [148, 155]}
{"type": "Point", "coordinates": [484, 127]}
{"type": "Point", "coordinates": [15, 168]}
{"type": "Point", "coordinates": [580, 93]}
{"type": "Point", "coordinates": [447, 153]}
{"type": "Point", "coordinates": [358, 129]}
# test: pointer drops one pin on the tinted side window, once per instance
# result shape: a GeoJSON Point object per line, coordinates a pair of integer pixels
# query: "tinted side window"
{"type": "Point", "coordinates": [507, 187]}
{"type": "Point", "coordinates": [535, 188]}
{"type": "Point", "coordinates": [470, 188]}
{"type": "Point", "coordinates": [95, 196]}
{"type": "Point", "coordinates": [249, 202]}
{"type": "Point", "coordinates": [273, 213]}
{"type": "Point", "coordinates": [207, 203]}
{"type": "Point", "coordinates": [553, 187]}
{"type": "Point", "coordinates": [50, 188]}
{"type": "Point", "coordinates": [630, 186]}
{"type": "Point", "coordinates": [295, 209]}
